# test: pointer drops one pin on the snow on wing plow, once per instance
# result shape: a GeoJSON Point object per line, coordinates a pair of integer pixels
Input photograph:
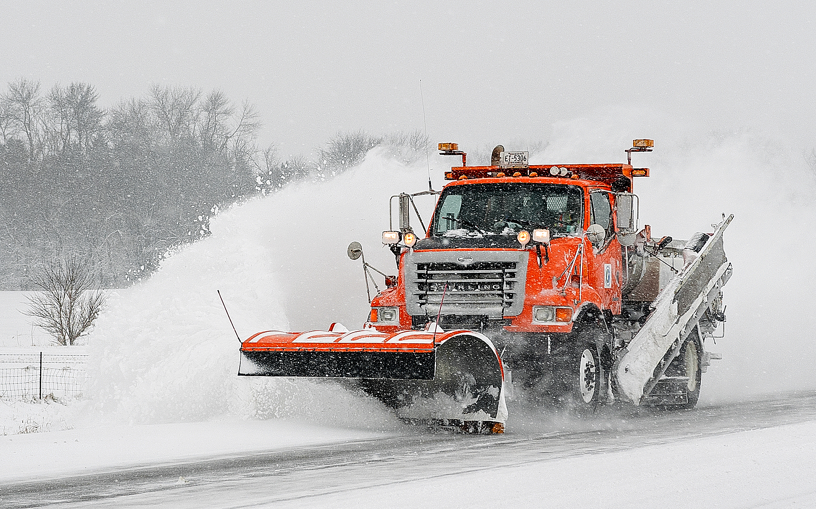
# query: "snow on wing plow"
{"type": "Point", "coordinates": [452, 378]}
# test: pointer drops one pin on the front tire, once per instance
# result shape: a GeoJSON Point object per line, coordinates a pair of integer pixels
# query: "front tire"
{"type": "Point", "coordinates": [580, 376]}
{"type": "Point", "coordinates": [588, 386]}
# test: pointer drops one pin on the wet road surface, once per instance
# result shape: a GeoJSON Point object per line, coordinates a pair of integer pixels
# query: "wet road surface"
{"type": "Point", "coordinates": [263, 478]}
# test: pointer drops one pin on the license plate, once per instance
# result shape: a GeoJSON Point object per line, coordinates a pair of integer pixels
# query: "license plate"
{"type": "Point", "coordinates": [514, 159]}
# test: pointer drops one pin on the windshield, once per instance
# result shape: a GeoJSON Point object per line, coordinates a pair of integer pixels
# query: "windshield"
{"type": "Point", "coordinates": [475, 210]}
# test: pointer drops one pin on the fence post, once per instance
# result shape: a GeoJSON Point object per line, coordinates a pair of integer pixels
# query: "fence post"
{"type": "Point", "coordinates": [41, 375]}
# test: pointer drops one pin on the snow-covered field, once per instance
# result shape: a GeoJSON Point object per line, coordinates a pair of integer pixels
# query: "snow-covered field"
{"type": "Point", "coordinates": [16, 328]}
{"type": "Point", "coordinates": [163, 357]}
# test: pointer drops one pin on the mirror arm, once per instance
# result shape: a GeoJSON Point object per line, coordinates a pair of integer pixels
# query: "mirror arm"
{"type": "Point", "coordinates": [546, 254]}
{"type": "Point", "coordinates": [397, 250]}
{"type": "Point", "coordinates": [421, 222]}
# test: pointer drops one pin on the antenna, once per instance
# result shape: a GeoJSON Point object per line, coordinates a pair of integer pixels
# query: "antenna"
{"type": "Point", "coordinates": [425, 121]}
{"type": "Point", "coordinates": [439, 314]}
{"type": "Point", "coordinates": [228, 316]}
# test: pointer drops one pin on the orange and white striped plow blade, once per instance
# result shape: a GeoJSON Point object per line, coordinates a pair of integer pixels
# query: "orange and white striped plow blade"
{"type": "Point", "coordinates": [454, 376]}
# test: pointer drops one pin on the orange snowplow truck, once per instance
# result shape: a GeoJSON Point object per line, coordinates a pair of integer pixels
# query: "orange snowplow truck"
{"type": "Point", "coordinates": [532, 274]}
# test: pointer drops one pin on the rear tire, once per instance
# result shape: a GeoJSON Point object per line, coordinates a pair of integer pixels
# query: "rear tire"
{"type": "Point", "coordinates": [687, 365]}
{"type": "Point", "coordinates": [691, 360]}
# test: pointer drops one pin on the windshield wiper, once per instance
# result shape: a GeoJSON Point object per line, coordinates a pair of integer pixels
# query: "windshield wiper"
{"type": "Point", "coordinates": [465, 222]}
{"type": "Point", "coordinates": [521, 222]}
{"type": "Point", "coordinates": [554, 232]}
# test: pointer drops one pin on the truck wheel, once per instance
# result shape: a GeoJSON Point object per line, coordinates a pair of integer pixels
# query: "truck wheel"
{"type": "Point", "coordinates": [691, 359]}
{"type": "Point", "coordinates": [589, 380]}
{"type": "Point", "coordinates": [583, 379]}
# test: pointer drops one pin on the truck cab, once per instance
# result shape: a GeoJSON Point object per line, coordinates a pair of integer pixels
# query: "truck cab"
{"type": "Point", "coordinates": [532, 250]}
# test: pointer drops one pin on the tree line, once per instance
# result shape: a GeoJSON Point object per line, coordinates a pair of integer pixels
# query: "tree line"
{"type": "Point", "coordinates": [120, 187]}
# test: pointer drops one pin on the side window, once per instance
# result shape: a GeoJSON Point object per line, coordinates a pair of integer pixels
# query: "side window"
{"type": "Point", "coordinates": [448, 213]}
{"type": "Point", "coordinates": [601, 210]}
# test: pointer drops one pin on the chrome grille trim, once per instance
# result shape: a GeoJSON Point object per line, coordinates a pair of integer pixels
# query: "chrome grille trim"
{"type": "Point", "coordinates": [489, 283]}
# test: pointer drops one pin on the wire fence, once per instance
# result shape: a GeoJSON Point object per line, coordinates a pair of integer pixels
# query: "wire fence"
{"type": "Point", "coordinates": [35, 375]}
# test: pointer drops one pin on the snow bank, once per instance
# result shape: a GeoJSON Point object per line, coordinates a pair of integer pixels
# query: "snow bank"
{"type": "Point", "coordinates": [25, 417]}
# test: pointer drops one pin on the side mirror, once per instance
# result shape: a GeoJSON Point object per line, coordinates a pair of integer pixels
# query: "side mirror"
{"type": "Point", "coordinates": [626, 206]}
{"type": "Point", "coordinates": [355, 250]}
{"type": "Point", "coordinates": [404, 212]}
{"type": "Point", "coordinates": [596, 234]}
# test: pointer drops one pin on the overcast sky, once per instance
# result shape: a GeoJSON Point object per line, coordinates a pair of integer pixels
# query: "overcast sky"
{"type": "Point", "coordinates": [489, 72]}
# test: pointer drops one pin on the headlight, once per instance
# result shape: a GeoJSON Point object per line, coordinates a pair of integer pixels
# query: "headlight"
{"type": "Point", "coordinates": [541, 236]}
{"type": "Point", "coordinates": [523, 237]}
{"type": "Point", "coordinates": [544, 314]}
{"type": "Point", "coordinates": [390, 237]}
{"type": "Point", "coordinates": [551, 314]}
{"type": "Point", "coordinates": [409, 239]}
{"type": "Point", "coordinates": [385, 316]}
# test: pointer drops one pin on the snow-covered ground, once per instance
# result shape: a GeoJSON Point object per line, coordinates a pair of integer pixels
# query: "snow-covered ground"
{"type": "Point", "coordinates": [762, 468]}
{"type": "Point", "coordinates": [99, 447]}
{"type": "Point", "coordinates": [770, 467]}
{"type": "Point", "coordinates": [163, 357]}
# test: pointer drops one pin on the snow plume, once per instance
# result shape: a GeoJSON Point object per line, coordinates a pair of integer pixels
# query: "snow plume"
{"type": "Point", "coordinates": [164, 351]}
{"type": "Point", "coordinates": [696, 176]}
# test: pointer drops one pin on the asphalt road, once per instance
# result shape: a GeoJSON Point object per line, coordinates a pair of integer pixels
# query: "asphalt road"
{"type": "Point", "coordinates": [263, 478]}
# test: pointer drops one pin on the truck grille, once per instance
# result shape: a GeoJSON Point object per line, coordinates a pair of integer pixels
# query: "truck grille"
{"type": "Point", "coordinates": [488, 283]}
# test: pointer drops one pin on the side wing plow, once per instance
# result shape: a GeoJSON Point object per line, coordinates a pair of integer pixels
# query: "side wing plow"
{"type": "Point", "coordinates": [675, 316]}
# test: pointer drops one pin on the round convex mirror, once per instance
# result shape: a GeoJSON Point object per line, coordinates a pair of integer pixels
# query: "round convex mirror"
{"type": "Point", "coordinates": [355, 250]}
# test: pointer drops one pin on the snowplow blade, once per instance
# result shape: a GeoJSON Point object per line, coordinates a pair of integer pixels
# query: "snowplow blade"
{"type": "Point", "coordinates": [455, 377]}
{"type": "Point", "coordinates": [356, 354]}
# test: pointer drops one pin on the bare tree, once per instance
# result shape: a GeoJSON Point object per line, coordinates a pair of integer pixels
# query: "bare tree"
{"type": "Point", "coordinates": [68, 300]}
{"type": "Point", "coordinates": [175, 109]}
{"type": "Point", "coordinates": [6, 128]}
{"type": "Point", "coordinates": [343, 151]}
{"type": "Point", "coordinates": [407, 147]}
{"type": "Point", "coordinates": [22, 103]}
{"type": "Point", "coordinates": [76, 117]}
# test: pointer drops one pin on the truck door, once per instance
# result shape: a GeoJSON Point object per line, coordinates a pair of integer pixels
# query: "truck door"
{"type": "Point", "coordinates": [606, 269]}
